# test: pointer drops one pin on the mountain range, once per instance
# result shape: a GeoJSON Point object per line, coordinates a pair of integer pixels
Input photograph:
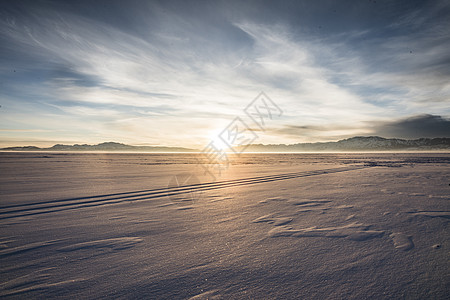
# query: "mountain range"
{"type": "Point", "coordinates": [107, 146]}
{"type": "Point", "coordinates": [358, 143]}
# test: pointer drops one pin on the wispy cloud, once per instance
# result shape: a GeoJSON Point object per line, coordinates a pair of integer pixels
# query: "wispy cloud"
{"type": "Point", "coordinates": [152, 73]}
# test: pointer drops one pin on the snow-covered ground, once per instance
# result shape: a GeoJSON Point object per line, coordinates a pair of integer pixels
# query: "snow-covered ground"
{"type": "Point", "coordinates": [273, 226]}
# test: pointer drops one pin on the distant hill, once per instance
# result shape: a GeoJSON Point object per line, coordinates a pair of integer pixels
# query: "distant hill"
{"type": "Point", "coordinates": [108, 146]}
{"type": "Point", "coordinates": [354, 144]}
{"type": "Point", "coordinates": [358, 143]}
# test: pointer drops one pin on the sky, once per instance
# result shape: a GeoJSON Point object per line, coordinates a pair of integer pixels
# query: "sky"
{"type": "Point", "coordinates": [176, 73]}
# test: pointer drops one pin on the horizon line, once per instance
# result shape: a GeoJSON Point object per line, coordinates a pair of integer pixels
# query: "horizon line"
{"type": "Point", "coordinates": [247, 145]}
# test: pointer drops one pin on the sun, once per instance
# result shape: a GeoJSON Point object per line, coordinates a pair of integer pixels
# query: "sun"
{"type": "Point", "coordinates": [216, 142]}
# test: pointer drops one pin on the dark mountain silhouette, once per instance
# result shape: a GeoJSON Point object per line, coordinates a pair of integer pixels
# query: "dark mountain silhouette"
{"type": "Point", "coordinates": [359, 143]}
{"type": "Point", "coordinates": [107, 146]}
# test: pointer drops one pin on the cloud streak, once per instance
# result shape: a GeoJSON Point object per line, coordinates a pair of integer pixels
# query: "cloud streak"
{"type": "Point", "coordinates": [173, 74]}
